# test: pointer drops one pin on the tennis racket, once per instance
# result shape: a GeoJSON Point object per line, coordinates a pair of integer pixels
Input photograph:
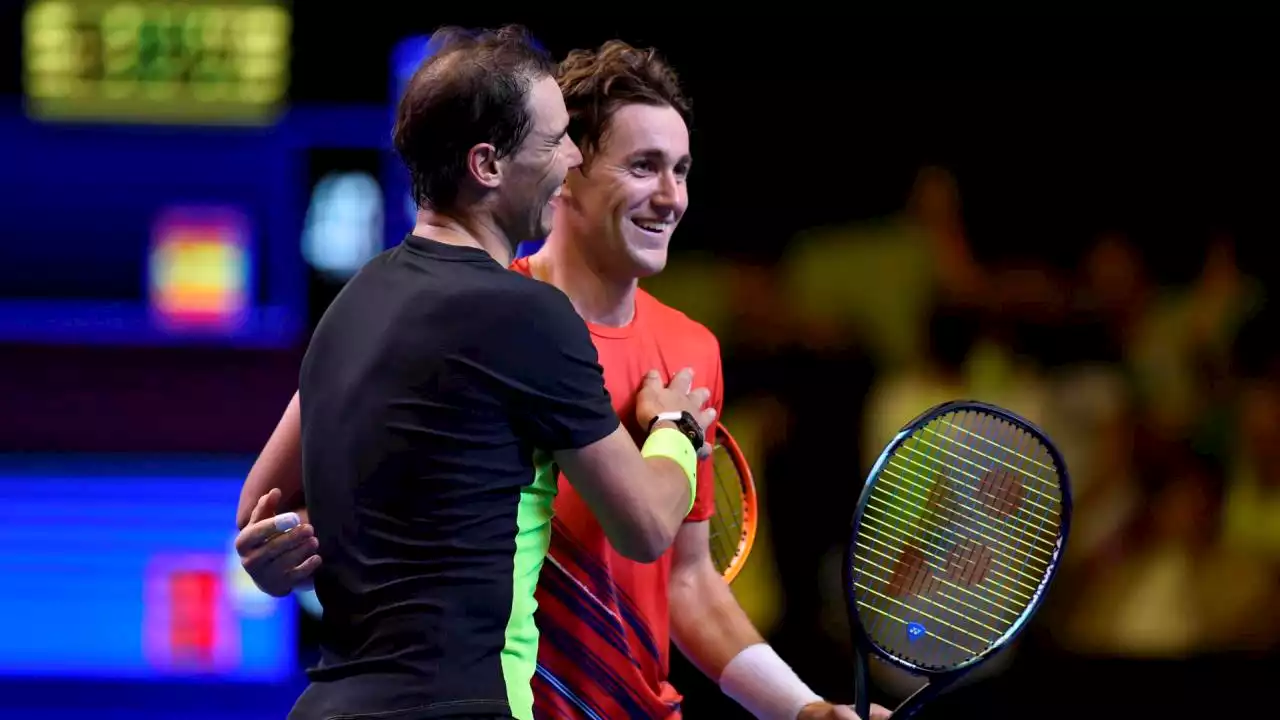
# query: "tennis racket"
{"type": "Point", "coordinates": [957, 533]}
{"type": "Point", "coordinates": [733, 527]}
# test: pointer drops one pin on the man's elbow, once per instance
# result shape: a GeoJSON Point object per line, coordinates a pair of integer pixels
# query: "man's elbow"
{"type": "Point", "coordinates": [641, 550]}
{"type": "Point", "coordinates": [648, 544]}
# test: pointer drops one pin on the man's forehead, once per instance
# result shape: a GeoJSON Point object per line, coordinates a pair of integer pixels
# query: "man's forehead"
{"type": "Point", "coordinates": [547, 106]}
{"type": "Point", "coordinates": [647, 129]}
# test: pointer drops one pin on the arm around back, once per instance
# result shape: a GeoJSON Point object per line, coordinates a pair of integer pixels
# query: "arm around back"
{"type": "Point", "coordinates": [279, 466]}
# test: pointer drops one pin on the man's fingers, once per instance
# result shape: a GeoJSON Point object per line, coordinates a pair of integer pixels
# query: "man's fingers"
{"type": "Point", "coordinates": [270, 564]}
{"type": "Point", "coordinates": [254, 535]}
{"type": "Point", "coordinates": [286, 522]}
{"type": "Point", "coordinates": [705, 418]}
{"type": "Point", "coordinates": [260, 562]}
{"type": "Point", "coordinates": [700, 396]}
{"type": "Point", "coordinates": [254, 539]}
{"type": "Point", "coordinates": [305, 570]}
{"type": "Point", "coordinates": [266, 505]}
{"type": "Point", "coordinates": [285, 562]}
{"type": "Point", "coordinates": [256, 513]}
{"type": "Point", "coordinates": [846, 712]}
{"type": "Point", "coordinates": [652, 380]}
{"type": "Point", "coordinates": [682, 381]}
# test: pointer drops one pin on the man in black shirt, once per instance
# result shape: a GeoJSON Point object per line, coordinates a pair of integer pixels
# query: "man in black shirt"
{"type": "Point", "coordinates": [439, 393]}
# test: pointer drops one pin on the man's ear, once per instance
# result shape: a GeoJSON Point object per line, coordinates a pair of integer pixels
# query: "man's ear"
{"type": "Point", "coordinates": [482, 163]}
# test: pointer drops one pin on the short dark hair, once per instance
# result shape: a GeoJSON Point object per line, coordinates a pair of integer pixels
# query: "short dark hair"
{"type": "Point", "coordinates": [473, 89]}
{"type": "Point", "coordinates": [596, 83]}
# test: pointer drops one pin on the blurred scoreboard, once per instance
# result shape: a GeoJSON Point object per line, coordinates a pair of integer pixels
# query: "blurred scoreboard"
{"type": "Point", "coordinates": [206, 61]}
{"type": "Point", "coordinates": [161, 189]}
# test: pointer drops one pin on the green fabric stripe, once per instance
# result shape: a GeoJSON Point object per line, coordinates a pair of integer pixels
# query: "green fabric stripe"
{"type": "Point", "coordinates": [533, 536]}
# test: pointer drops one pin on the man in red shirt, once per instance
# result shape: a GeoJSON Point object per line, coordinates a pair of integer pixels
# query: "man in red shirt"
{"type": "Point", "coordinates": [606, 622]}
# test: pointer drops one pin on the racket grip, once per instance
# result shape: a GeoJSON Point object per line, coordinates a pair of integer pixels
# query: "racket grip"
{"type": "Point", "coordinates": [861, 693]}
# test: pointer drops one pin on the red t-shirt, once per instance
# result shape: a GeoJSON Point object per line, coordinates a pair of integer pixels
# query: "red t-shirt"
{"type": "Point", "coordinates": [603, 619]}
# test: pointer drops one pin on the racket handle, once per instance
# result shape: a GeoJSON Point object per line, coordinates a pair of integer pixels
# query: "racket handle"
{"type": "Point", "coordinates": [861, 694]}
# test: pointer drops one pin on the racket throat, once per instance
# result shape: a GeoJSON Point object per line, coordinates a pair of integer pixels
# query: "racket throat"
{"type": "Point", "coordinates": [916, 700]}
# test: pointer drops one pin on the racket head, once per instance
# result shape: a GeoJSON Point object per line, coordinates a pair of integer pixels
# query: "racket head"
{"type": "Point", "coordinates": [733, 526]}
{"type": "Point", "coordinates": [979, 545]}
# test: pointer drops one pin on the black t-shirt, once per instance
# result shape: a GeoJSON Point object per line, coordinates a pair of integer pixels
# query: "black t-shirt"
{"type": "Point", "coordinates": [434, 390]}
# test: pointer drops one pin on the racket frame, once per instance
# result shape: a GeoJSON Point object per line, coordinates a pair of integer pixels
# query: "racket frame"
{"type": "Point", "coordinates": [750, 509]}
{"type": "Point", "coordinates": [937, 681]}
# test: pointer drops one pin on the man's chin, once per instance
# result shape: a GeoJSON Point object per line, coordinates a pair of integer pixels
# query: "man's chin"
{"type": "Point", "coordinates": [647, 263]}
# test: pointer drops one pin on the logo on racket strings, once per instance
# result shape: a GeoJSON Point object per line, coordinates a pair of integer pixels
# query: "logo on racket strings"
{"type": "Point", "coordinates": [915, 631]}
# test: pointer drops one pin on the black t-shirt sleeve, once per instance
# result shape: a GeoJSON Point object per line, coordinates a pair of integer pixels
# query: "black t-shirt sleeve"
{"type": "Point", "coordinates": [547, 363]}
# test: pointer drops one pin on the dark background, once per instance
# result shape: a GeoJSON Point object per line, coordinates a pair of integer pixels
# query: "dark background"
{"type": "Point", "coordinates": [1055, 128]}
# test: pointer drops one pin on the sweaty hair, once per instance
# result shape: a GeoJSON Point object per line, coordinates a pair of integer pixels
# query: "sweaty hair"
{"type": "Point", "coordinates": [473, 89]}
{"type": "Point", "coordinates": [596, 83]}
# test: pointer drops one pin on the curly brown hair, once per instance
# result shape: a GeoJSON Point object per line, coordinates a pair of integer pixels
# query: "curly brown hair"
{"type": "Point", "coordinates": [596, 83]}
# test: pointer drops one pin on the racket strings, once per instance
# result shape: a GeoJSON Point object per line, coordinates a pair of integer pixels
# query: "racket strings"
{"type": "Point", "coordinates": [957, 534]}
{"type": "Point", "coordinates": [939, 557]}
{"type": "Point", "coordinates": [921, 581]}
{"type": "Point", "coordinates": [995, 597]}
{"type": "Point", "coordinates": [1007, 556]}
{"type": "Point", "coordinates": [976, 464]}
{"type": "Point", "coordinates": [955, 514]}
{"type": "Point", "coordinates": [925, 584]}
{"type": "Point", "coordinates": [1014, 528]}
{"type": "Point", "coordinates": [728, 522]}
{"type": "Point", "coordinates": [986, 485]}
{"type": "Point", "coordinates": [942, 516]}
{"type": "Point", "coordinates": [1029, 460]}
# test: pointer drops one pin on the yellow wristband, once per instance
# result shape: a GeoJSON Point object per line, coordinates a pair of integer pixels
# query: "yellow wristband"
{"type": "Point", "coordinates": [671, 443]}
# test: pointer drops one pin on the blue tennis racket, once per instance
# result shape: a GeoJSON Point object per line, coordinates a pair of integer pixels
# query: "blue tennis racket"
{"type": "Point", "coordinates": [957, 534]}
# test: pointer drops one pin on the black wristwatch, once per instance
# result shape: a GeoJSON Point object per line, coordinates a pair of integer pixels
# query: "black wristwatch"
{"type": "Point", "coordinates": [686, 423]}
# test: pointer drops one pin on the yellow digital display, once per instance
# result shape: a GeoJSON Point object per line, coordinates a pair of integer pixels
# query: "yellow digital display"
{"type": "Point", "coordinates": [213, 62]}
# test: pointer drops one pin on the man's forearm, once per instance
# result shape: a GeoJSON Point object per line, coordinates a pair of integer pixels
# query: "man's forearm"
{"type": "Point", "coordinates": [707, 623]}
{"type": "Point", "coordinates": [640, 499]}
{"type": "Point", "coordinates": [713, 631]}
{"type": "Point", "coordinates": [279, 466]}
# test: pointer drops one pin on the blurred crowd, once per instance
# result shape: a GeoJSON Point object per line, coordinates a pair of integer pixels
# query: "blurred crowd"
{"type": "Point", "coordinates": [1164, 398]}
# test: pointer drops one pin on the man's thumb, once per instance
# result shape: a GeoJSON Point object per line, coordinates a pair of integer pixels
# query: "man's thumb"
{"type": "Point", "coordinates": [270, 501]}
{"type": "Point", "coordinates": [265, 506]}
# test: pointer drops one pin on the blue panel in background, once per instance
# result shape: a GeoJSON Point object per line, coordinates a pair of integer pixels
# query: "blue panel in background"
{"type": "Point", "coordinates": [76, 262]}
{"type": "Point", "coordinates": [406, 57]}
{"type": "Point", "coordinates": [124, 569]}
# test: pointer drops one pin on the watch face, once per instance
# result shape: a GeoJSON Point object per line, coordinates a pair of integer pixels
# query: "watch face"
{"type": "Point", "coordinates": [689, 425]}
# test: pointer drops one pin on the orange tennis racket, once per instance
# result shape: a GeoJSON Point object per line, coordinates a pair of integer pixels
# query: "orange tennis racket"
{"type": "Point", "coordinates": [733, 527]}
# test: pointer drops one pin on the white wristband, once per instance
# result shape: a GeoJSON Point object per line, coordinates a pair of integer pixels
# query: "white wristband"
{"type": "Point", "coordinates": [766, 686]}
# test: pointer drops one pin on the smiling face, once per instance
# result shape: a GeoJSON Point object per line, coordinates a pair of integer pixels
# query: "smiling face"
{"type": "Point", "coordinates": [628, 197]}
{"type": "Point", "coordinates": [535, 173]}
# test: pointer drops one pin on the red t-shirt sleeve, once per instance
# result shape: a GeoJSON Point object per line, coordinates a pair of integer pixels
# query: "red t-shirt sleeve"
{"type": "Point", "coordinates": [704, 505]}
